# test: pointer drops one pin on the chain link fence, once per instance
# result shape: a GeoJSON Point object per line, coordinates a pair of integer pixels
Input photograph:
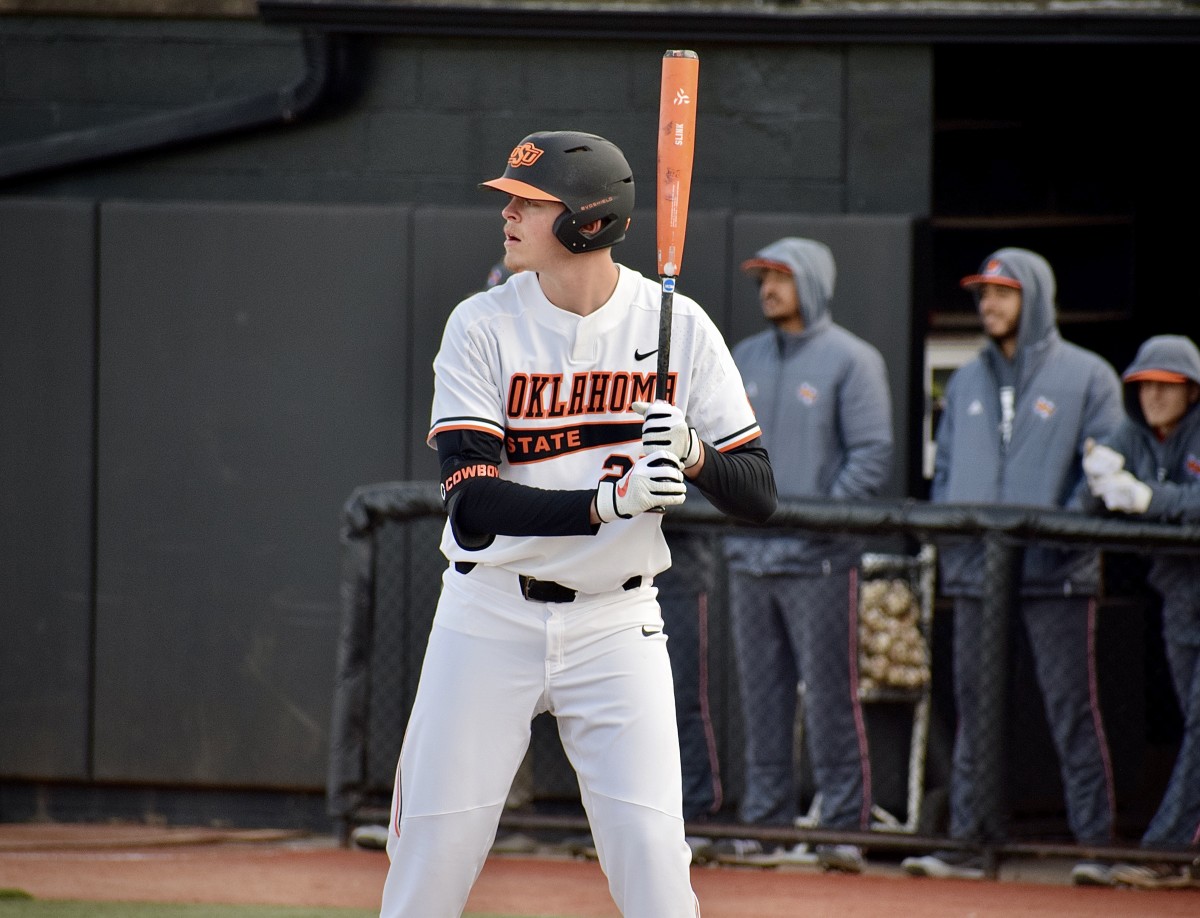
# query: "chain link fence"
{"type": "Point", "coordinates": [391, 576]}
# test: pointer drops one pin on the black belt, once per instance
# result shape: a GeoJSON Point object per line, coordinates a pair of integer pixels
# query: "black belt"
{"type": "Point", "coordinates": [545, 590]}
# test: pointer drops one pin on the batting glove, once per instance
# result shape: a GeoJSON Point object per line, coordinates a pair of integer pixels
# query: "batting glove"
{"type": "Point", "coordinates": [1122, 491]}
{"type": "Point", "coordinates": [666, 428]}
{"type": "Point", "coordinates": [655, 481]}
{"type": "Point", "coordinates": [1100, 462]}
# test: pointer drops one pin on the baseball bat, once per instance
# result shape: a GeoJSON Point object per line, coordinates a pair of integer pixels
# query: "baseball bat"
{"type": "Point", "coordinates": [676, 150]}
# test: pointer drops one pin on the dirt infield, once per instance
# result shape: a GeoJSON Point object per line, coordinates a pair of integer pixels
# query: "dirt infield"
{"type": "Point", "coordinates": [138, 863]}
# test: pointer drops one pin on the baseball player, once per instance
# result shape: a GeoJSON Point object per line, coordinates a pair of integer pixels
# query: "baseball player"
{"type": "Point", "coordinates": [554, 458]}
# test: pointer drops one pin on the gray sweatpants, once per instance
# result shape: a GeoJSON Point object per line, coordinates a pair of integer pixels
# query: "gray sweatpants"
{"type": "Point", "coordinates": [788, 629]}
{"type": "Point", "coordinates": [1062, 636]}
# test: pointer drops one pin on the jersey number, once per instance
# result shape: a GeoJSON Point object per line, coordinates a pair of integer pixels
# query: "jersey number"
{"type": "Point", "coordinates": [616, 466]}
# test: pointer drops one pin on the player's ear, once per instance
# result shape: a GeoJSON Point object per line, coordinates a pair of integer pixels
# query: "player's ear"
{"type": "Point", "coordinates": [591, 229]}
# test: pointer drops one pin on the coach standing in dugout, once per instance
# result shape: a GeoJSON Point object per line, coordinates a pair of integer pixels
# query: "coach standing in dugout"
{"type": "Point", "coordinates": [822, 400]}
{"type": "Point", "coordinates": [1016, 418]}
{"type": "Point", "coordinates": [552, 453]}
{"type": "Point", "coordinates": [1149, 470]}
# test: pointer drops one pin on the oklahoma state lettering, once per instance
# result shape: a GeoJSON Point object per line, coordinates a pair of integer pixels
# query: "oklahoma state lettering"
{"type": "Point", "coordinates": [535, 444]}
{"type": "Point", "coordinates": [552, 395]}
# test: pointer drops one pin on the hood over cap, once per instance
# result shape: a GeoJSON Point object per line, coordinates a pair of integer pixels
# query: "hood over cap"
{"type": "Point", "coordinates": [1164, 358]}
{"type": "Point", "coordinates": [813, 271]}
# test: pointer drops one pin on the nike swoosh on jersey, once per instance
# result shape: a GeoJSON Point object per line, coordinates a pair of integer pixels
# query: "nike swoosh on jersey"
{"type": "Point", "coordinates": [650, 632]}
{"type": "Point", "coordinates": [638, 355]}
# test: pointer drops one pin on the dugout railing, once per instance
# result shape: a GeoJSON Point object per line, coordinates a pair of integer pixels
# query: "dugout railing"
{"type": "Point", "coordinates": [391, 569]}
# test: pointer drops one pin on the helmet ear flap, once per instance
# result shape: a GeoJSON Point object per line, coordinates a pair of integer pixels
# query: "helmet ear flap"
{"type": "Point", "coordinates": [568, 228]}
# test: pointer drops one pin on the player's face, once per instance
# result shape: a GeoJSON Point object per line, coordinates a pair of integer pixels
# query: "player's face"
{"type": "Point", "coordinates": [529, 240]}
{"type": "Point", "coordinates": [1000, 310]}
{"type": "Point", "coordinates": [780, 302]}
{"type": "Point", "coordinates": [1164, 403]}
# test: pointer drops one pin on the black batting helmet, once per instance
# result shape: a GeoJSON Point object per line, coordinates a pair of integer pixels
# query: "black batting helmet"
{"type": "Point", "coordinates": [586, 173]}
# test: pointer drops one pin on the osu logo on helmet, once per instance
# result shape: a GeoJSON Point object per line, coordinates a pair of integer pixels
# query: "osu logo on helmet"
{"type": "Point", "coordinates": [524, 155]}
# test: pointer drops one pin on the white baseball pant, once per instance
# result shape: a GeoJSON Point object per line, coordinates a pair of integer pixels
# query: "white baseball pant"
{"type": "Point", "coordinates": [494, 661]}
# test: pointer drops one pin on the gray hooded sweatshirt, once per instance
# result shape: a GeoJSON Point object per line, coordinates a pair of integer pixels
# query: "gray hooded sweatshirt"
{"type": "Point", "coordinates": [822, 400]}
{"type": "Point", "coordinates": [1063, 395]}
{"type": "Point", "coordinates": [1171, 468]}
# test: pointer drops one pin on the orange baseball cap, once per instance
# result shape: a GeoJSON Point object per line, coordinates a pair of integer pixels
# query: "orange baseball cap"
{"type": "Point", "coordinates": [1155, 376]}
{"type": "Point", "coordinates": [765, 264]}
{"type": "Point", "coordinates": [993, 271]}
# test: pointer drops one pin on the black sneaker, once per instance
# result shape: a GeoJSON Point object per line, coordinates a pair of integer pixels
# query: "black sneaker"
{"type": "Point", "coordinates": [957, 865]}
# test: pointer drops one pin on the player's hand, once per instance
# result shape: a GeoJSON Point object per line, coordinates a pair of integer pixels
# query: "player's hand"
{"type": "Point", "coordinates": [1124, 492]}
{"type": "Point", "coordinates": [1099, 463]}
{"type": "Point", "coordinates": [666, 428]}
{"type": "Point", "coordinates": [655, 481]}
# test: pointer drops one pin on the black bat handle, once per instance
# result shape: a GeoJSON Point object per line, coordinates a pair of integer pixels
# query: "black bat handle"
{"type": "Point", "coordinates": [664, 338]}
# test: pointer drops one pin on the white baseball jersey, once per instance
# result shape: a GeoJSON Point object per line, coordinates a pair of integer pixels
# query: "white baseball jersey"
{"type": "Point", "coordinates": [557, 387]}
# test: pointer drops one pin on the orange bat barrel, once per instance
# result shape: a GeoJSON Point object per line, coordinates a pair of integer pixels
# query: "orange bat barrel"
{"type": "Point", "coordinates": [676, 150]}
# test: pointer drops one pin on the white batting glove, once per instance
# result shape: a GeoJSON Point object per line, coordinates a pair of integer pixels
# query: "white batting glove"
{"type": "Point", "coordinates": [666, 428]}
{"type": "Point", "coordinates": [1099, 462]}
{"type": "Point", "coordinates": [654, 482]}
{"type": "Point", "coordinates": [1122, 491]}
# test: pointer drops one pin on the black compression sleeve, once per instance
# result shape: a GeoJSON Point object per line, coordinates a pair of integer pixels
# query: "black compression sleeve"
{"type": "Point", "coordinates": [502, 507]}
{"type": "Point", "coordinates": [740, 482]}
{"type": "Point", "coordinates": [483, 506]}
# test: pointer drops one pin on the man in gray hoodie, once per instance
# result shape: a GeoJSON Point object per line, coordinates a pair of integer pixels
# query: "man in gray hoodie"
{"type": "Point", "coordinates": [1013, 431]}
{"type": "Point", "coordinates": [1150, 470]}
{"type": "Point", "coordinates": [821, 398]}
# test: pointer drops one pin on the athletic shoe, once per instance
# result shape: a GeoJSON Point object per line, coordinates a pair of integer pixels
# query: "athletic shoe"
{"type": "Point", "coordinates": [373, 838]}
{"type": "Point", "coordinates": [1157, 876]}
{"type": "Point", "coordinates": [840, 858]}
{"type": "Point", "coordinates": [702, 848]}
{"type": "Point", "coordinates": [514, 843]}
{"type": "Point", "coordinates": [958, 865]}
{"type": "Point", "coordinates": [783, 856]}
{"type": "Point", "coordinates": [1092, 873]}
{"type": "Point", "coordinates": [753, 854]}
{"type": "Point", "coordinates": [581, 845]}
{"type": "Point", "coordinates": [737, 850]}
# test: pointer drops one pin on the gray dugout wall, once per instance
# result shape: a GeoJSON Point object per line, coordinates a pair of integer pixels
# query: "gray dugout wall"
{"type": "Point", "coordinates": [188, 394]}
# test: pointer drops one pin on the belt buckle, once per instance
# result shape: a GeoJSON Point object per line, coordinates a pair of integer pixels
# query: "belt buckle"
{"type": "Point", "coordinates": [526, 583]}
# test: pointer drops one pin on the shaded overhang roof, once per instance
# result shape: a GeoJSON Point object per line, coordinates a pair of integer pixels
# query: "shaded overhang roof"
{"type": "Point", "coordinates": [683, 22]}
